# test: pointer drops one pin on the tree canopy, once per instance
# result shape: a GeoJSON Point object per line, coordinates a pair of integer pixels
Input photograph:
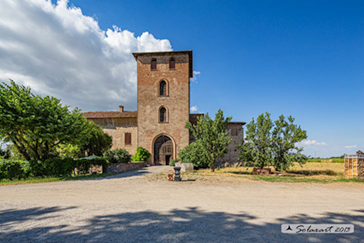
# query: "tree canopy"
{"type": "Point", "coordinates": [211, 139]}
{"type": "Point", "coordinates": [273, 143]}
{"type": "Point", "coordinates": [37, 125]}
{"type": "Point", "coordinates": [96, 141]}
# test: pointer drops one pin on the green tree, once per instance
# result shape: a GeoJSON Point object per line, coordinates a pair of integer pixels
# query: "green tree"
{"type": "Point", "coordinates": [257, 146]}
{"type": "Point", "coordinates": [211, 136]}
{"type": "Point", "coordinates": [95, 141]}
{"type": "Point", "coordinates": [36, 125]}
{"type": "Point", "coordinates": [285, 137]}
{"type": "Point", "coordinates": [70, 151]}
{"type": "Point", "coordinates": [272, 143]}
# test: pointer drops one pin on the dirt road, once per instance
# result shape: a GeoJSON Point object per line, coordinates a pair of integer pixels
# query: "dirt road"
{"type": "Point", "coordinates": [131, 208]}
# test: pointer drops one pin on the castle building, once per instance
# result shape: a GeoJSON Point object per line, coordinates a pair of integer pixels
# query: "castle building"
{"type": "Point", "coordinates": [162, 111]}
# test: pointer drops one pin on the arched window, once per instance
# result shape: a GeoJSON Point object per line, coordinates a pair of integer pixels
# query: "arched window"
{"type": "Point", "coordinates": [172, 63]}
{"type": "Point", "coordinates": [153, 64]}
{"type": "Point", "coordinates": [162, 114]}
{"type": "Point", "coordinates": [163, 88]}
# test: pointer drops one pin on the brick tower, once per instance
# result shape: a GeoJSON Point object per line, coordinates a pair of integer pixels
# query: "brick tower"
{"type": "Point", "coordinates": [163, 102]}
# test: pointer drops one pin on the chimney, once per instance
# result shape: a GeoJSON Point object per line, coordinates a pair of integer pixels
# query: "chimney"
{"type": "Point", "coordinates": [121, 108]}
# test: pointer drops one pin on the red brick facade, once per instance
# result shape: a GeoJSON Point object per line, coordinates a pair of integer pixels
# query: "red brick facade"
{"type": "Point", "coordinates": [176, 101]}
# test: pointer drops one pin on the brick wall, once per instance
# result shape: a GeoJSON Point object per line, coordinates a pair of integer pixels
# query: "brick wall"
{"type": "Point", "coordinates": [176, 103]}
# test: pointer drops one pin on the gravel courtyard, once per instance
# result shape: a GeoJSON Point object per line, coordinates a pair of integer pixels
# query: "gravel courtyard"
{"type": "Point", "coordinates": [132, 208]}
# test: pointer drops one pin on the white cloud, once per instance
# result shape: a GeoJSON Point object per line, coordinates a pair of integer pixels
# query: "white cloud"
{"type": "Point", "coordinates": [58, 51]}
{"type": "Point", "coordinates": [350, 146]}
{"type": "Point", "coordinates": [194, 108]}
{"type": "Point", "coordinates": [311, 143]}
{"type": "Point", "coordinates": [195, 74]}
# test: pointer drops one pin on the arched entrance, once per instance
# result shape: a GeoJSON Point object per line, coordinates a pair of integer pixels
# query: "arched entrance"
{"type": "Point", "coordinates": [163, 150]}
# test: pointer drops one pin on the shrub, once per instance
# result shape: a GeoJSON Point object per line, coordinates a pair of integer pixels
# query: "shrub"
{"type": "Point", "coordinates": [13, 169]}
{"type": "Point", "coordinates": [173, 162]}
{"type": "Point", "coordinates": [52, 167]}
{"type": "Point", "coordinates": [141, 154]}
{"type": "Point", "coordinates": [117, 156]}
{"type": "Point", "coordinates": [194, 153]}
{"type": "Point", "coordinates": [37, 168]}
{"type": "Point", "coordinates": [17, 169]}
{"type": "Point", "coordinates": [59, 167]}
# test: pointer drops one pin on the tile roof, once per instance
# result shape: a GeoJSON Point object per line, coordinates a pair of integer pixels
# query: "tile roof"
{"type": "Point", "coordinates": [110, 114]}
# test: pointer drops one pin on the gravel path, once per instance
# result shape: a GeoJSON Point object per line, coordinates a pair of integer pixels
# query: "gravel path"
{"type": "Point", "coordinates": [130, 208]}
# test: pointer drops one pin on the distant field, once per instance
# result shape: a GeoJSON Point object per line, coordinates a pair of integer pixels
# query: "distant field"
{"type": "Point", "coordinates": [335, 160]}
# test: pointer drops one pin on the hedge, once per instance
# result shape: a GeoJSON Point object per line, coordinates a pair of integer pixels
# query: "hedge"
{"type": "Point", "coordinates": [17, 169]}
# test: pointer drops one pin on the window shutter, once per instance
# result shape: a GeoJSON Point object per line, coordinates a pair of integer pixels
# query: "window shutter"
{"type": "Point", "coordinates": [127, 138]}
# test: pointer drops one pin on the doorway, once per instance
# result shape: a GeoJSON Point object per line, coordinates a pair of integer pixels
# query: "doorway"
{"type": "Point", "coordinates": [163, 150]}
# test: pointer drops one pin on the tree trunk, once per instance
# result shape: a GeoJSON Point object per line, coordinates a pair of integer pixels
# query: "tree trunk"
{"type": "Point", "coordinates": [23, 152]}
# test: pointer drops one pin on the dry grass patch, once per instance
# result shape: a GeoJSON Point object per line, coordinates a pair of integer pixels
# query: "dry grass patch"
{"type": "Point", "coordinates": [309, 173]}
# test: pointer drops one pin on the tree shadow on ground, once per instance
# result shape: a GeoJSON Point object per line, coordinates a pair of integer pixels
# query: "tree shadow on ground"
{"type": "Point", "coordinates": [314, 172]}
{"type": "Point", "coordinates": [240, 172]}
{"type": "Point", "coordinates": [178, 225]}
{"type": "Point", "coordinates": [133, 173]}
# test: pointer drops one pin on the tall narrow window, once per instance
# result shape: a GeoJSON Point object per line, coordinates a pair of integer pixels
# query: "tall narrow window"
{"type": "Point", "coordinates": [172, 63]}
{"type": "Point", "coordinates": [153, 64]}
{"type": "Point", "coordinates": [162, 115]}
{"type": "Point", "coordinates": [127, 138]}
{"type": "Point", "coordinates": [163, 88]}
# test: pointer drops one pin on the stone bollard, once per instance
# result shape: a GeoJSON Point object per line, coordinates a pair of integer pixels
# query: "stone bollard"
{"type": "Point", "coordinates": [177, 173]}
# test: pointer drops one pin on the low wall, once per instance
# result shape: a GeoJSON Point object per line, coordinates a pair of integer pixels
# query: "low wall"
{"type": "Point", "coordinates": [115, 168]}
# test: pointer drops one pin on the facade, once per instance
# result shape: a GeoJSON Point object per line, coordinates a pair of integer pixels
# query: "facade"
{"type": "Point", "coordinates": [163, 110]}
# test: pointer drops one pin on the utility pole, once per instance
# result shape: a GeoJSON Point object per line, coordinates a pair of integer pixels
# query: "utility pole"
{"type": "Point", "coordinates": [315, 154]}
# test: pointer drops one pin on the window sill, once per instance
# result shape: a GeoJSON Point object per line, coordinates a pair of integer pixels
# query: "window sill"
{"type": "Point", "coordinates": [163, 96]}
{"type": "Point", "coordinates": [172, 69]}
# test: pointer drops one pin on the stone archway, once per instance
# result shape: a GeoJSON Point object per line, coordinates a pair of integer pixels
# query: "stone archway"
{"type": "Point", "coordinates": [163, 150]}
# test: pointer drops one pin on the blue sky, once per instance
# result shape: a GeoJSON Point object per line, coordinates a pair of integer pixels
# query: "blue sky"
{"type": "Point", "coordinates": [303, 59]}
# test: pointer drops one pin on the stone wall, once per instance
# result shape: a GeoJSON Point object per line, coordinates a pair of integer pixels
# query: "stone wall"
{"type": "Point", "coordinates": [236, 132]}
{"type": "Point", "coordinates": [117, 127]}
{"type": "Point", "coordinates": [176, 102]}
{"type": "Point", "coordinates": [115, 168]}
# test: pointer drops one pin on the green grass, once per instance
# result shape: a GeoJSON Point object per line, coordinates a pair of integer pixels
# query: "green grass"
{"type": "Point", "coordinates": [51, 179]}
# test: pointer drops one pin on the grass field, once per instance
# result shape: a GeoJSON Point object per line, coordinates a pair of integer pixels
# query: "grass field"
{"type": "Point", "coordinates": [334, 160]}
